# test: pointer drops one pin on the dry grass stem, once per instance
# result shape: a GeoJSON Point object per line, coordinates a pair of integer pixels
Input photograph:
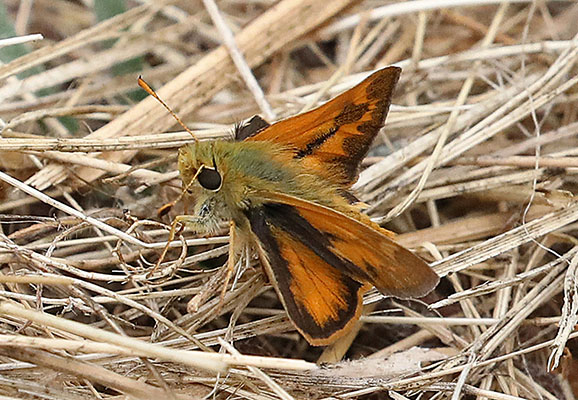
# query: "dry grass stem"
{"type": "Point", "coordinates": [476, 170]}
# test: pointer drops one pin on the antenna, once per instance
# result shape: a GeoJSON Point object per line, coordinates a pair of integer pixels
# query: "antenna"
{"type": "Point", "coordinates": [150, 90]}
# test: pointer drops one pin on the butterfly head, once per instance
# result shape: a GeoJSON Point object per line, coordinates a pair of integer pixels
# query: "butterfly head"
{"type": "Point", "coordinates": [224, 179]}
{"type": "Point", "coordinates": [202, 174]}
{"type": "Point", "coordinates": [213, 180]}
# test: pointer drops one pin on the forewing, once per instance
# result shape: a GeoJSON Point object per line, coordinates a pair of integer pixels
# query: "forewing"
{"type": "Point", "coordinates": [333, 138]}
{"type": "Point", "coordinates": [360, 251]}
{"type": "Point", "coordinates": [322, 301]}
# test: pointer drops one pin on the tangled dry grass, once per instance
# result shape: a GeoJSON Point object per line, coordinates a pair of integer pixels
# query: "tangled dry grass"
{"type": "Point", "coordinates": [476, 170]}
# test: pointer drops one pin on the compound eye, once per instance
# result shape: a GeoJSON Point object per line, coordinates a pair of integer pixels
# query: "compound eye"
{"type": "Point", "coordinates": [209, 178]}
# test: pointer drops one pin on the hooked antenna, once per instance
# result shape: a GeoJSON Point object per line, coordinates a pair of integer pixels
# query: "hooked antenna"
{"type": "Point", "coordinates": [150, 90]}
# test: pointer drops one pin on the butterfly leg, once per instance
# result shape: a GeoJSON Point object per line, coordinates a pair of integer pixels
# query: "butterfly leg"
{"type": "Point", "coordinates": [220, 279]}
{"type": "Point", "coordinates": [230, 261]}
{"type": "Point", "coordinates": [180, 221]}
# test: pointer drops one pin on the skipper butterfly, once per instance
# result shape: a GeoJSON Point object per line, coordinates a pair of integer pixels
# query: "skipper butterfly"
{"type": "Point", "coordinates": [285, 190]}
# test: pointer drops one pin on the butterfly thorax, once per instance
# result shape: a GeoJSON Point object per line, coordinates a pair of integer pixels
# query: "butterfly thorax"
{"type": "Point", "coordinates": [249, 171]}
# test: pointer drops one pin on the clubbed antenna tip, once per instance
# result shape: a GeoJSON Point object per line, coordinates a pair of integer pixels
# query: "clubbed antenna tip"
{"type": "Point", "coordinates": [150, 90]}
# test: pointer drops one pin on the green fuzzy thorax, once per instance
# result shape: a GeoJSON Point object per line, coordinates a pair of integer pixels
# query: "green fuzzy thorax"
{"type": "Point", "coordinates": [242, 165]}
{"type": "Point", "coordinates": [249, 168]}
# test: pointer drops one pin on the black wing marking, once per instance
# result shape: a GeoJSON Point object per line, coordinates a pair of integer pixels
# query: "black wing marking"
{"type": "Point", "coordinates": [250, 128]}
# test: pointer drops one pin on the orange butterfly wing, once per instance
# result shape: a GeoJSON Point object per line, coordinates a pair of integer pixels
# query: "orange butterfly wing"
{"type": "Point", "coordinates": [321, 261]}
{"type": "Point", "coordinates": [333, 138]}
{"type": "Point", "coordinates": [322, 301]}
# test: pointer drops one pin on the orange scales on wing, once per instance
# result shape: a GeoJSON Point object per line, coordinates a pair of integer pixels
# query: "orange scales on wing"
{"type": "Point", "coordinates": [332, 139]}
